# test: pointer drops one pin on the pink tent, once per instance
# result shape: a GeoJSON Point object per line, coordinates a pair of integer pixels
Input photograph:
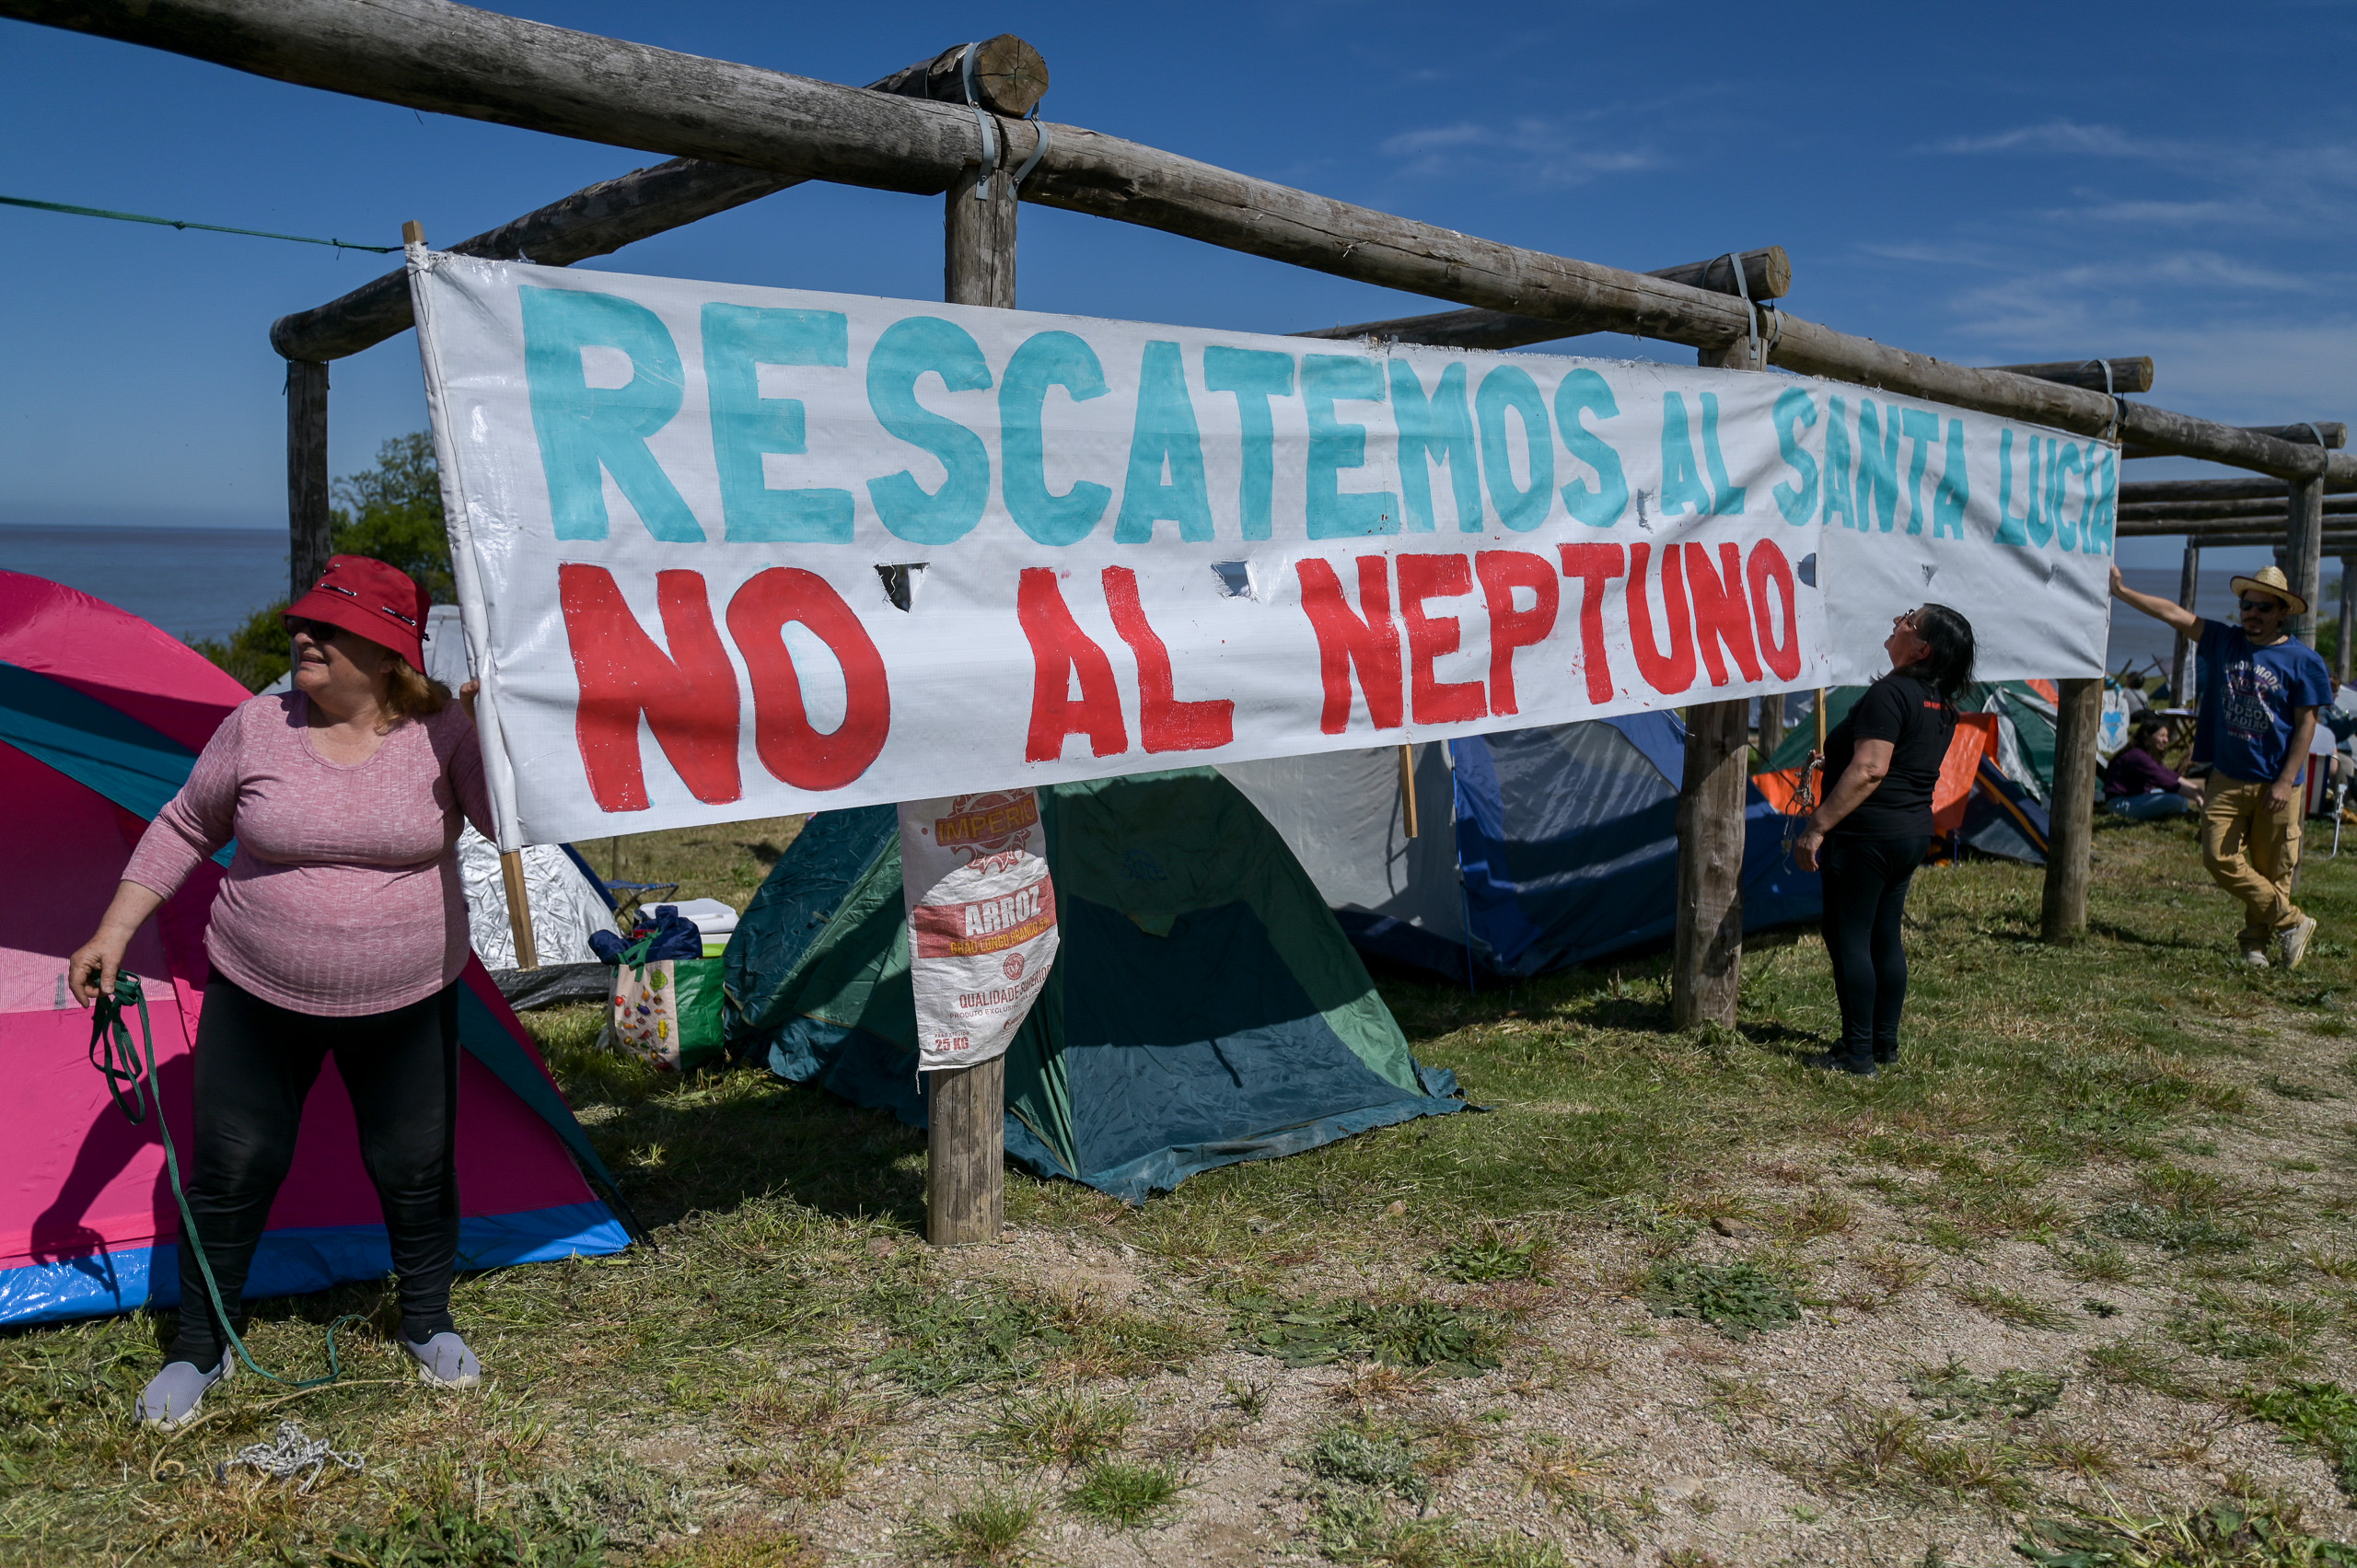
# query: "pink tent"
{"type": "Point", "coordinates": [102, 715]}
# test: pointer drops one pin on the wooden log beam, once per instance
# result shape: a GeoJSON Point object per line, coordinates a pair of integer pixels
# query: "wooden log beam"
{"type": "Point", "coordinates": [308, 528]}
{"type": "Point", "coordinates": [456, 60]}
{"type": "Point", "coordinates": [2258, 509]}
{"type": "Point", "coordinates": [1768, 273]}
{"type": "Point", "coordinates": [1009, 77]}
{"type": "Point", "coordinates": [2336, 528]}
{"type": "Point", "coordinates": [2063, 915]}
{"type": "Point", "coordinates": [2335, 436]}
{"type": "Point", "coordinates": [2152, 491]}
{"type": "Point", "coordinates": [2127, 374]}
{"type": "Point", "coordinates": [600, 219]}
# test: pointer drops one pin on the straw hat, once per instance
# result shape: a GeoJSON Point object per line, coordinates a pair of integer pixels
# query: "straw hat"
{"type": "Point", "coordinates": [2270, 580]}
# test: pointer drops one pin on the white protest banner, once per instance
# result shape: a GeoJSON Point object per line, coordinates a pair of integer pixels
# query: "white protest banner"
{"type": "Point", "coordinates": [728, 551]}
{"type": "Point", "coordinates": [982, 921]}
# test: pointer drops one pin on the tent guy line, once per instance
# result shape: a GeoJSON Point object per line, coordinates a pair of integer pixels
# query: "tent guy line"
{"type": "Point", "coordinates": [186, 224]}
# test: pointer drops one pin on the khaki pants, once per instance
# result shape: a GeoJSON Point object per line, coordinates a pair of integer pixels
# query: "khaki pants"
{"type": "Point", "coordinates": [2251, 852]}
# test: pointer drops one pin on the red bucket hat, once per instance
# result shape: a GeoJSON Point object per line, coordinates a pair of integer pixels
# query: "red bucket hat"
{"type": "Point", "coordinates": [371, 599]}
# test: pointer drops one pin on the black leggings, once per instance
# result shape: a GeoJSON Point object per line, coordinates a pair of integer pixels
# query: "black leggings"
{"type": "Point", "coordinates": [1865, 895]}
{"type": "Point", "coordinates": [255, 1065]}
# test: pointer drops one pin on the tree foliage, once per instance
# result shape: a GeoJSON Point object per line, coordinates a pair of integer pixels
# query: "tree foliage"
{"type": "Point", "coordinates": [393, 512]}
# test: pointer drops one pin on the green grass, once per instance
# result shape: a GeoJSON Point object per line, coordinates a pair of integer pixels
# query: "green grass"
{"type": "Point", "coordinates": [1738, 1299]}
{"type": "Point", "coordinates": [1125, 1495]}
{"type": "Point", "coordinates": [794, 1342]}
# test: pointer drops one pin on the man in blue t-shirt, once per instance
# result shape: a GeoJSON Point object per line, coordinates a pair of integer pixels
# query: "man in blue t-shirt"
{"type": "Point", "coordinates": [2259, 691]}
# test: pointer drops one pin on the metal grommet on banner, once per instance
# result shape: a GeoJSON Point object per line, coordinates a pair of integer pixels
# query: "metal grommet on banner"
{"type": "Point", "coordinates": [982, 120]}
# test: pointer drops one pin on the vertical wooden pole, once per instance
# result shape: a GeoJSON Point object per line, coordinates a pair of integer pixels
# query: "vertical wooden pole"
{"type": "Point", "coordinates": [1820, 729]}
{"type": "Point", "coordinates": [1772, 726]}
{"type": "Point", "coordinates": [1407, 789]}
{"type": "Point", "coordinates": [519, 910]}
{"type": "Point", "coordinates": [1707, 960]}
{"type": "Point", "coordinates": [2189, 584]}
{"type": "Point", "coordinates": [2078, 718]}
{"type": "Point", "coordinates": [2303, 553]}
{"type": "Point", "coordinates": [307, 475]}
{"type": "Point", "coordinates": [965, 1186]}
{"type": "Point", "coordinates": [2340, 651]}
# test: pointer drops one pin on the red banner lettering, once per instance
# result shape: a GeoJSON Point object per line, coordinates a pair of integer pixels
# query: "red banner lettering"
{"type": "Point", "coordinates": [1059, 650]}
{"type": "Point", "coordinates": [1347, 641]}
{"type": "Point", "coordinates": [1164, 724]}
{"type": "Point", "coordinates": [1722, 615]}
{"type": "Point", "coordinates": [688, 695]}
{"type": "Point", "coordinates": [783, 737]}
{"type": "Point", "coordinates": [1502, 571]}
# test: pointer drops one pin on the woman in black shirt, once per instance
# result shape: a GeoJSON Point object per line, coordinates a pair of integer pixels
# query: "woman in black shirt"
{"type": "Point", "coordinates": [1875, 825]}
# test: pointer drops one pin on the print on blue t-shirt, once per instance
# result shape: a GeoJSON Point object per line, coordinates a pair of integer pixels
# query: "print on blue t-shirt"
{"type": "Point", "coordinates": [2250, 697]}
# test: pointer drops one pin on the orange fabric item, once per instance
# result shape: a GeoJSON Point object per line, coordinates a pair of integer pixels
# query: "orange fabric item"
{"type": "Point", "coordinates": [1975, 736]}
{"type": "Point", "coordinates": [2046, 688]}
{"type": "Point", "coordinates": [1779, 787]}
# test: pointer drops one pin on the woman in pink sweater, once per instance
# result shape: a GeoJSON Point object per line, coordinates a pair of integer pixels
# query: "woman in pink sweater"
{"type": "Point", "coordinates": [341, 927]}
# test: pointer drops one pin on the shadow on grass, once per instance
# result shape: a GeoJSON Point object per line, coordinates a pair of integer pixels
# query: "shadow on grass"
{"type": "Point", "coordinates": [710, 1141]}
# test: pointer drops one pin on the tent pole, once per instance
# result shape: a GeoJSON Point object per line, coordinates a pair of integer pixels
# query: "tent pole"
{"type": "Point", "coordinates": [1407, 789]}
{"type": "Point", "coordinates": [2077, 721]}
{"type": "Point", "coordinates": [965, 1186]}
{"type": "Point", "coordinates": [519, 909]}
{"type": "Point", "coordinates": [1820, 721]}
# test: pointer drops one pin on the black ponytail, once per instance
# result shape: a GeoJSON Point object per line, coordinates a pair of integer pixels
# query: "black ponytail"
{"type": "Point", "coordinates": [1948, 667]}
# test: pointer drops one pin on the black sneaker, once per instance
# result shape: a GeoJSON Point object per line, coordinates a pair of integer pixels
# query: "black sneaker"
{"type": "Point", "coordinates": [1833, 1063]}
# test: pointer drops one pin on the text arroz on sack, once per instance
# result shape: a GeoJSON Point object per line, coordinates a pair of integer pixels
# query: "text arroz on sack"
{"type": "Point", "coordinates": [982, 921]}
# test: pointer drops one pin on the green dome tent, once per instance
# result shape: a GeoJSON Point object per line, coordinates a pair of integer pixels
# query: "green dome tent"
{"type": "Point", "coordinates": [1204, 1008]}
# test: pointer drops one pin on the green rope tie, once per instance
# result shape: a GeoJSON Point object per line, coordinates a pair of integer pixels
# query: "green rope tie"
{"type": "Point", "coordinates": [129, 1068]}
{"type": "Point", "coordinates": [185, 223]}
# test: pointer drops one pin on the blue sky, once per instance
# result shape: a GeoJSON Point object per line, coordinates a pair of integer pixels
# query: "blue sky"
{"type": "Point", "coordinates": [1985, 184]}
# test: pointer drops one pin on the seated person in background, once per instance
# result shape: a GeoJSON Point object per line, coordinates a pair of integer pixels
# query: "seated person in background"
{"type": "Point", "coordinates": [2131, 692]}
{"type": "Point", "coordinates": [2140, 784]}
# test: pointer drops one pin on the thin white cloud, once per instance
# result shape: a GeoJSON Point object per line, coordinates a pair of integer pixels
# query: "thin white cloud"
{"type": "Point", "coordinates": [2055, 135]}
{"type": "Point", "coordinates": [1530, 150]}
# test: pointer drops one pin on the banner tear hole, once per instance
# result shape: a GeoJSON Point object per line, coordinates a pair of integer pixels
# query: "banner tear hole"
{"type": "Point", "coordinates": [1930, 571]}
{"type": "Point", "coordinates": [1235, 578]}
{"type": "Point", "coordinates": [1808, 568]}
{"type": "Point", "coordinates": [900, 582]}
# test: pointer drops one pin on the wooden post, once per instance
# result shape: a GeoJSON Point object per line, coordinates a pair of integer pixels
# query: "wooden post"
{"type": "Point", "coordinates": [1709, 958]}
{"type": "Point", "coordinates": [965, 1172]}
{"type": "Point", "coordinates": [2341, 662]}
{"type": "Point", "coordinates": [2078, 718]}
{"type": "Point", "coordinates": [965, 1185]}
{"type": "Point", "coordinates": [2189, 584]}
{"type": "Point", "coordinates": [1707, 963]}
{"type": "Point", "coordinates": [1772, 726]}
{"type": "Point", "coordinates": [519, 909]}
{"type": "Point", "coordinates": [2304, 553]}
{"type": "Point", "coordinates": [1408, 790]}
{"type": "Point", "coordinates": [1820, 730]}
{"type": "Point", "coordinates": [308, 527]}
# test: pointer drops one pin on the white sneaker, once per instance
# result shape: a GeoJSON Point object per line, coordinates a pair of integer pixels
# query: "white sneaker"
{"type": "Point", "coordinates": [2294, 941]}
{"type": "Point", "coordinates": [2255, 959]}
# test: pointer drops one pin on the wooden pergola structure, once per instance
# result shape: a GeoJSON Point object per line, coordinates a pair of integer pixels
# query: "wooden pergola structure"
{"type": "Point", "coordinates": [951, 126]}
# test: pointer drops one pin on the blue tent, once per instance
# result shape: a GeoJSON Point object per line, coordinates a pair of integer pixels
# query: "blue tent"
{"type": "Point", "coordinates": [1537, 848]}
